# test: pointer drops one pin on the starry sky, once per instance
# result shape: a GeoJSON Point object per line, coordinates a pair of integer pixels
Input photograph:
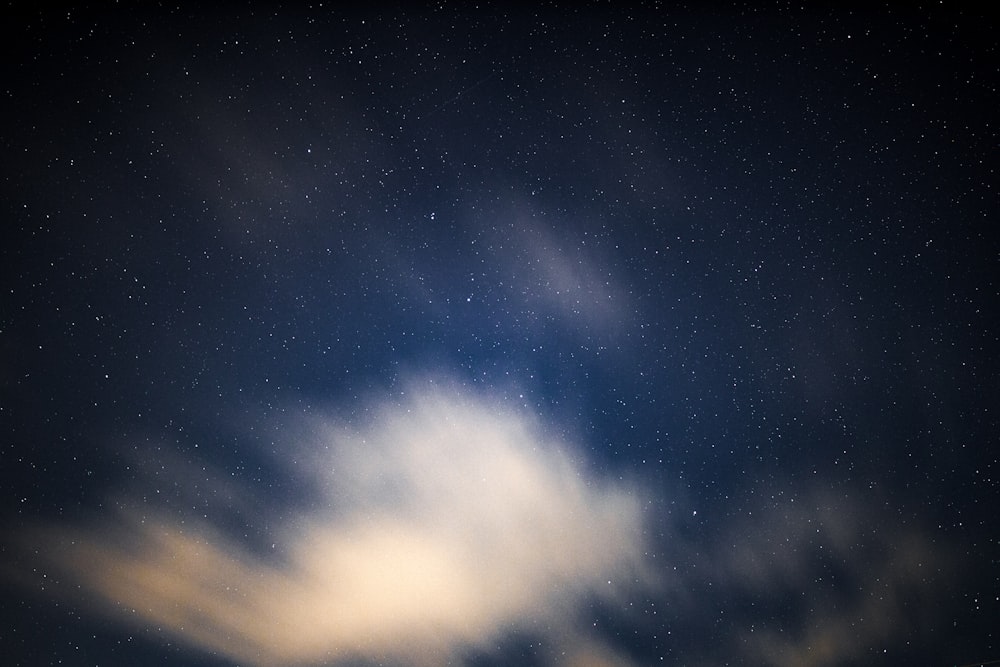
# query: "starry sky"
{"type": "Point", "coordinates": [574, 335]}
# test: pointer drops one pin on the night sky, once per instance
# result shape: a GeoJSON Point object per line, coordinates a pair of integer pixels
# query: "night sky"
{"type": "Point", "coordinates": [570, 336]}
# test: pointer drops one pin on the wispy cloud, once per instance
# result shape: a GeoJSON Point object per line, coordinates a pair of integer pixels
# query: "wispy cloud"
{"type": "Point", "coordinates": [445, 522]}
{"type": "Point", "coordinates": [865, 583]}
{"type": "Point", "coordinates": [562, 275]}
{"type": "Point", "coordinates": [823, 579]}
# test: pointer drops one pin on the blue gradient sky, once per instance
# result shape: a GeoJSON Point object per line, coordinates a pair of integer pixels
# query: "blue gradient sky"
{"type": "Point", "coordinates": [564, 336]}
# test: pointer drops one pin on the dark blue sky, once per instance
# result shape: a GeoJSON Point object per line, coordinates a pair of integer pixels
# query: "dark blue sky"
{"type": "Point", "coordinates": [737, 265]}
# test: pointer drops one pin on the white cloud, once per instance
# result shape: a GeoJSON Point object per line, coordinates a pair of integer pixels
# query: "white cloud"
{"type": "Point", "coordinates": [446, 523]}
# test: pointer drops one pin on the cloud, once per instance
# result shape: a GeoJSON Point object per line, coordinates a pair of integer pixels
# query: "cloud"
{"type": "Point", "coordinates": [834, 579]}
{"type": "Point", "coordinates": [560, 274]}
{"type": "Point", "coordinates": [444, 523]}
{"type": "Point", "coordinates": [443, 526]}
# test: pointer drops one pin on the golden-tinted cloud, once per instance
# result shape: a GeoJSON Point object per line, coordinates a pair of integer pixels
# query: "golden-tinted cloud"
{"type": "Point", "coordinates": [445, 523]}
